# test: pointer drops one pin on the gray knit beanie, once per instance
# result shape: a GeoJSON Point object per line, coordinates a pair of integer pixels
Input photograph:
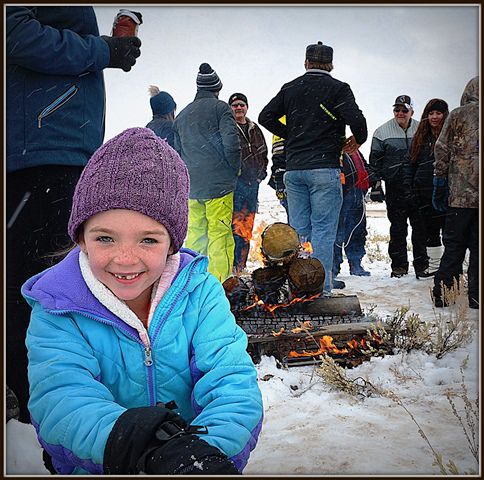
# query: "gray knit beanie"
{"type": "Point", "coordinates": [207, 79]}
{"type": "Point", "coordinates": [136, 170]}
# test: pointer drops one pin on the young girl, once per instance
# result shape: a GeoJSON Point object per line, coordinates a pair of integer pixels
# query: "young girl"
{"type": "Point", "coordinates": [136, 365]}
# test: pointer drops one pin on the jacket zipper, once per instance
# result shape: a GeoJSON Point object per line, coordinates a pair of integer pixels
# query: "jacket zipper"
{"type": "Point", "coordinates": [56, 104]}
{"type": "Point", "coordinates": [148, 360]}
{"type": "Point", "coordinates": [246, 139]}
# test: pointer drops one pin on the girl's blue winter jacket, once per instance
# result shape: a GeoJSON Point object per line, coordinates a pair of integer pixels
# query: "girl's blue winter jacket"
{"type": "Point", "coordinates": [86, 366]}
{"type": "Point", "coordinates": [55, 87]}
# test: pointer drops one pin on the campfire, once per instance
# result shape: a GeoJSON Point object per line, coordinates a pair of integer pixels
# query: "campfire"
{"type": "Point", "coordinates": [281, 307]}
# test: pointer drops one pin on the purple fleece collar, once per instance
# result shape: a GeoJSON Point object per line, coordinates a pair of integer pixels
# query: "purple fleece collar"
{"type": "Point", "coordinates": [62, 288]}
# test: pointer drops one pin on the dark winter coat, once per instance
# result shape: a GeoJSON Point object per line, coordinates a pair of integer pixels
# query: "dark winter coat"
{"type": "Point", "coordinates": [163, 127]}
{"type": "Point", "coordinates": [55, 87]}
{"type": "Point", "coordinates": [317, 107]}
{"type": "Point", "coordinates": [207, 140]}
{"type": "Point", "coordinates": [457, 150]}
{"type": "Point", "coordinates": [390, 151]}
{"type": "Point", "coordinates": [253, 154]}
{"type": "Point", "coordinates": [418, 176]}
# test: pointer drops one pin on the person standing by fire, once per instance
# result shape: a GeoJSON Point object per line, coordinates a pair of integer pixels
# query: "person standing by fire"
{"type": "Point", "coordinates": [253, 169]}
{"type": "Point", "coordinates": [207, 140]}
{"type": "Point", "coordinates": [317, 107]}
{"type": "Point", "coordinates": [278, 169]}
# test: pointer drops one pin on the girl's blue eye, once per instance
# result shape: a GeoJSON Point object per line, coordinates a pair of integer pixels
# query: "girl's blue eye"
{"type": "Point", "coordinates": [149, 241]}
{"type": "Point", "coordinates": [104, 239]}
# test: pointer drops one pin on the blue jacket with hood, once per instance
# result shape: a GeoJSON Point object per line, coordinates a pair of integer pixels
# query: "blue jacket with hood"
{"type": "Point", "coordinates": [87, 366]}
{"type": "Point", "coordinates": [55, 88]}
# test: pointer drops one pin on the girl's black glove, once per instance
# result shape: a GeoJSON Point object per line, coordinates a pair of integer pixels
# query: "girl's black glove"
{"type": "Point", "coordinates": [156, 440]}
{"type": "Point", "coordinates": [186, 455]}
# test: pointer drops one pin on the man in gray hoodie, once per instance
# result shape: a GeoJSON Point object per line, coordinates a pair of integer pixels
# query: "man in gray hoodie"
{"type": "Point", "coordinates": [207, 140]}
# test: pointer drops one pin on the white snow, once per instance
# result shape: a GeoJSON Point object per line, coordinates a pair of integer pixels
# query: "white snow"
{"type": "Point", "coordinates": [313, 429]}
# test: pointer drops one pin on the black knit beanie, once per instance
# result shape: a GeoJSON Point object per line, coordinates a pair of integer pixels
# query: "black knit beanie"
{"type": "Point", "coordinates": [207, 79]}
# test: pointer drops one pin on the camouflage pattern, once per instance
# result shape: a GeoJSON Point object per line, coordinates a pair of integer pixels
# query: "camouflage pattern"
{"type": "Point", "coordinates": [457, 150]}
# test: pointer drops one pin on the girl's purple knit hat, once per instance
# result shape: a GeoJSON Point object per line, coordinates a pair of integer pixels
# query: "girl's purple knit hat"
{"type": "Point", "coordinates": [135, 170]}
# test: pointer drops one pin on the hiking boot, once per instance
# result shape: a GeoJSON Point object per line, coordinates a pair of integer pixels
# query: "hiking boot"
{"type": "Point", "coordinates": [339, 284]}
{"type": "Point", "coordinates": [398, 272]}
{"type": "Point", "coordinates": [357, 269]}
{"type": "Point", "coordinates": [439, 303]}
{"type": "Point", "coordinates": [424, 273]}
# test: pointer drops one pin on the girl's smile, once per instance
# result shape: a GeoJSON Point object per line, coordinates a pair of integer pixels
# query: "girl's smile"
{"type": "Point", "coordinates": [127, 252]}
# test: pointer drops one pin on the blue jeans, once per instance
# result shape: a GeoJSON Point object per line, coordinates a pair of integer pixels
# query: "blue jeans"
{"type": "Point", "coordinates": [314, 198]}
{"type": "Point", "coordinates": [351, 229]}
{"type": "Point", "coordinates": [245, 208]}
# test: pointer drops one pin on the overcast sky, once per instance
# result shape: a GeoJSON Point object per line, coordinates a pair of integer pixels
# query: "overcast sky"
{"type": "Point", "coordinates": [381, 51]}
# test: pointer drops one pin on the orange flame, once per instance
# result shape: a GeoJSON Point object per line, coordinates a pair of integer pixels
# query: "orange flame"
{"type": "Point", "coordinates": [277, 334]}
{"type": "Point", "coordinates": [243, 224]}
{"type": "Point", "coordinates": [271, 308]}
{"type": "Point", "coordinates": [307, 247]}
{"type": "Point", "coordinates": [326, 345]}
{"type": "Point", "coordinates": [255, 248]}
{"type": "Point", "coordinates": [306, 326]}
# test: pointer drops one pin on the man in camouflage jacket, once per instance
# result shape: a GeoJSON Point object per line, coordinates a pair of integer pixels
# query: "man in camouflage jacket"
{"type": "Point", "coordinates": [456, 170]}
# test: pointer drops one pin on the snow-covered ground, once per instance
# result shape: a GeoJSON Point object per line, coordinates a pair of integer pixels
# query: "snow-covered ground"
{"type": "Point", "coordinates": [311, 429]}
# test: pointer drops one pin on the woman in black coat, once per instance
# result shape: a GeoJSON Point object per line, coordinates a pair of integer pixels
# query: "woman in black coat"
{"type": "Point", "coordinates": [419, 179]}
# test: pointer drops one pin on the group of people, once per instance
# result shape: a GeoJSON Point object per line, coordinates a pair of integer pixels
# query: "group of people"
{"type": "Point", "coordinates": [135, 362]}
{"type": "Point", "coordinates": [224, 175]}
{"type": "Point", "coordinates": [430, 170]}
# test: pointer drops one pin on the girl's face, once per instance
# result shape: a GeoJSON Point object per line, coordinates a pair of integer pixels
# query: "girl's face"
{"type": "Point", "coordinates": [435, 118]}
{"type": "Point", "coordinates": [127, 252]}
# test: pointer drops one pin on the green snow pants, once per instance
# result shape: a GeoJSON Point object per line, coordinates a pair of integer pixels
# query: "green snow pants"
{"type": "Point", "coordinates": [210, 233]}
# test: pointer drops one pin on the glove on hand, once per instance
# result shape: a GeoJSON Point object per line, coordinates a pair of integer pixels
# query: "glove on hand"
{"type": "Point", "coordinates": [186, 455]}
{"type": "Point", "coordinates": [377, 194]}
{"type": "Point", "coordinates": [123, 51]}
{"type": "Point", "coordinates": [281, 194]}
{"type": "Point", "coordinates": [157, 440]}
{"type": "Point", "coordinates": [440, 195]}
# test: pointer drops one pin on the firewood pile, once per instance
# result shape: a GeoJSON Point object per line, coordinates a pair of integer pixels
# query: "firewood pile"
{"type": "Point", "coordinates": [288, 272]}
{"type": "Point", "coordinates": [281, 308]}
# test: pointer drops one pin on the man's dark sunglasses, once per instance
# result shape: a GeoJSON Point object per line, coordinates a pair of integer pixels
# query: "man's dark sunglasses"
{"type": "Point", "coordinates": [397, 110]}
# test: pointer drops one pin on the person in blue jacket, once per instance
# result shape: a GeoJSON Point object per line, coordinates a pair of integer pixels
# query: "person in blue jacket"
{"type": "Point", "coordinates": [55, 109]}
{"type": "Point", "coordinates": [136, 364]}
{"type": "Point", "coordinates": [163, 107]}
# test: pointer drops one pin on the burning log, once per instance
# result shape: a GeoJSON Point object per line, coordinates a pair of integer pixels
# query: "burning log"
{"type": "Point", "coordinates": [279, 243]}
{"type": "Point", "coordinates": [237, 291]}
{"type": "Point", "coordinates": [347, 344]}
{"type": "Point", "coordinates": [306, 276]}
{"type": "Point", "coordinates": [268, 282]}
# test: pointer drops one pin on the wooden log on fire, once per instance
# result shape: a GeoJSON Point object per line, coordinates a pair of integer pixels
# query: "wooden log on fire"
{"type": "Point", "coordinates": [268, 282]}
{"type": "Point", "coordinates": [279, 243]}
{"type": "Point", "coordinates": [306, 276]}
{"type": "Point", "coordinates": [340, 330]}
{"type": "Point", "coordinates": [236, 290]}
{"type": "Point", "coordinates": [334, 305]}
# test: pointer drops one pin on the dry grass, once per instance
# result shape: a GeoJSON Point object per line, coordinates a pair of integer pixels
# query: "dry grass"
{"type": "Point", "coordinates": [468, 417]}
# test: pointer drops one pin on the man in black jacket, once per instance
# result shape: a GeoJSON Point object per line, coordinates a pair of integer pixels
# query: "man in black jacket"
{"type": "Point", "coordinates": [317, 107]}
